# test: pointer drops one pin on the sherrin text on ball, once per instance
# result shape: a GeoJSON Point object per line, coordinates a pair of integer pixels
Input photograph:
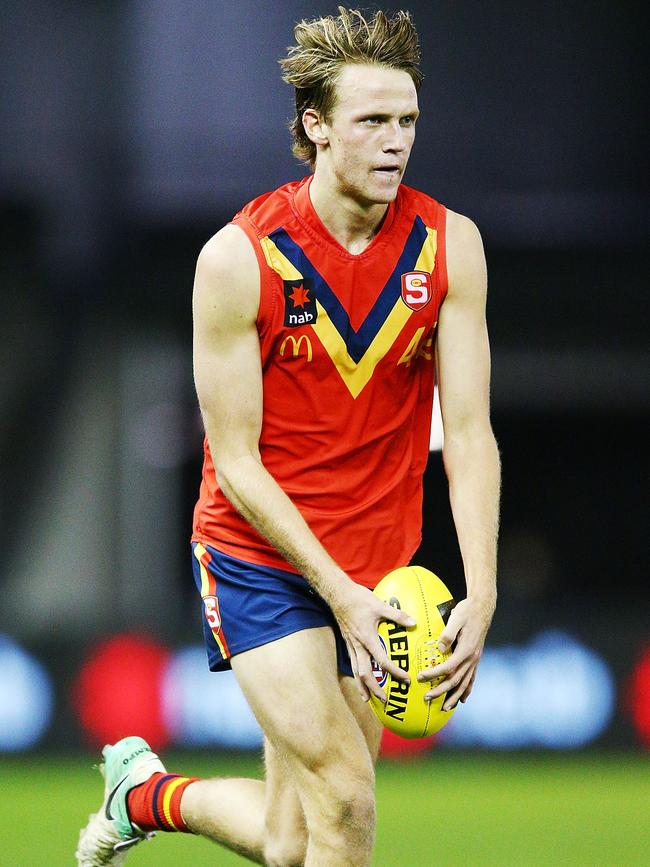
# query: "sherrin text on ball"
{"type": "Point", "coordinates": [426, 598]}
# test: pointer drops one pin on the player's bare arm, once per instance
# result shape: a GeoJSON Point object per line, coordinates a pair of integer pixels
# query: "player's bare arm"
{"type": "Point", "coordinates": [470, 455]}
{"type": "Point", "coordinates": [228, 376]}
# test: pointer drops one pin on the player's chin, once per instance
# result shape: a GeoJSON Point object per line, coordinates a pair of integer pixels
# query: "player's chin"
{"type": "Point", "coordinates": [383, 191]}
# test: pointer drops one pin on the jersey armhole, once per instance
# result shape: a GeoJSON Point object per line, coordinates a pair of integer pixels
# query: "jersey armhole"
{"type": "Point", "coordinates": [443, 282]}
{"type": "Point", "coordinates": [267, 296]}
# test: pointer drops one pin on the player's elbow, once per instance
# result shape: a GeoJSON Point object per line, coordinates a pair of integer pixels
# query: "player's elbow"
{"type": "Point", "coordinates": [233, 447]}
{"type": "Point", "coordinates": [466, 428]}
{"type": "Point", "coordinates": [232, 470]}
{"type": "Point", "coordinates": [227, 479]}
{"type": "Point", "coordinates": [464, 440]}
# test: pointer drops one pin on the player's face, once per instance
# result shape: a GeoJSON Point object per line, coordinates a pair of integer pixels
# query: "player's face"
{"type": "Point", "coordinates": [371, 131]}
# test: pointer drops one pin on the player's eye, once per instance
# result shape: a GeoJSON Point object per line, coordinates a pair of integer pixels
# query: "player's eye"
{"type": "Point", "coordinates": [407, 120]}
{"type": "Point", "coordinates": [373, 121]}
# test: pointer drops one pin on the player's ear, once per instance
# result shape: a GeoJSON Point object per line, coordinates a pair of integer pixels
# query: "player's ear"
{"type": "Point", "coordinates": [315, 127]}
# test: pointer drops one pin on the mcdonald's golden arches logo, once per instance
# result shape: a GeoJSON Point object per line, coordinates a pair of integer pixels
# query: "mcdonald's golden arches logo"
{"type": "Point", "coordinates": [296, 344]}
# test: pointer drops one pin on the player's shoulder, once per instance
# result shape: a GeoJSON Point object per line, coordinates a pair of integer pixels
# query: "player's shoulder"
{"type": "Point", "coordinates": [421, 203]}
{"type": "Point", "coordinates": [227, 274]}
{"type": "Point", "coordinates": [228, 265]}
{"type": "Point", "coordinates": [465, 255]}
{"type": "Point", "coordinates": [455, 223]}
{"type": "Point", "coordinates": [461, 229]}
{"type": "Point", "coordinates": [228, 253]}
{"type": "Point", "coordinates": [463, 243]}
{"type": "Point", "coordinates": [269, 210]}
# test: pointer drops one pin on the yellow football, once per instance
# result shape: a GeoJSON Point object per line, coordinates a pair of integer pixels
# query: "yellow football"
{"type": "Point", "coordinates": [424, 596]}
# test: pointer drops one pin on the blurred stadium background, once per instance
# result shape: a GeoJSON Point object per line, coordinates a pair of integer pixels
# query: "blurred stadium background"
{"type": "Point", "coordinates": [131, 131]}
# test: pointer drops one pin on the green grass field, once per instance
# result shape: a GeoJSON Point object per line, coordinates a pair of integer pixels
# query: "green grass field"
{"type": "Point", "coordinates": [447, 810]}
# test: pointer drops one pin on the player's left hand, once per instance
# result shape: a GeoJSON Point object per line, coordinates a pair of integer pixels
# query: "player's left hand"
{"type": "Point", "coordinates": [467, 626]}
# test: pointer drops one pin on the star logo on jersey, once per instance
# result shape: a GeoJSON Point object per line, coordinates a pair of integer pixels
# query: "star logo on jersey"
{"type": "Point", "coordinates": [299, 296]}
{"type": "Point", "coordinates": [299, 303]}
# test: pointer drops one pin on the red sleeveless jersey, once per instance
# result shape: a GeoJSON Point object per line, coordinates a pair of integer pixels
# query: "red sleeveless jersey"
{"type": "Point", "coordinates": [347, 347]}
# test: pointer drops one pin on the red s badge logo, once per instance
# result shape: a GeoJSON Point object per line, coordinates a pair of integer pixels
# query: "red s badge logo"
{"type": "Point", "coordinates": [212, 613]}
{"type": "Point", "coordinates": [416, 289]}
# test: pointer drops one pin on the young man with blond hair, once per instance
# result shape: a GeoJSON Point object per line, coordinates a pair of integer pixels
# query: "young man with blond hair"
{"type": "Point", "coordinates": [321, 313]}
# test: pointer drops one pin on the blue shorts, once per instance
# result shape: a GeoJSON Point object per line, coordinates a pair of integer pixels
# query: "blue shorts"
{"type": "Point", "coordinates": [246, 605]}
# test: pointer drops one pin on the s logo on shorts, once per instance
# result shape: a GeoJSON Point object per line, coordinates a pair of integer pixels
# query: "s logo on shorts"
{"type": "Point", "coordinates": [212, 614]}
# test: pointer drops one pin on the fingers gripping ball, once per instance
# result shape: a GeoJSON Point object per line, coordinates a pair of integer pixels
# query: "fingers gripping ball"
{"type": "Point", "coordinates": [424, 596]}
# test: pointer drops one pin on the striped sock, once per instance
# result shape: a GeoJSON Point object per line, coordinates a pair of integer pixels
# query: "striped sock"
{"type": "Point", "coordinates": [156, 804]}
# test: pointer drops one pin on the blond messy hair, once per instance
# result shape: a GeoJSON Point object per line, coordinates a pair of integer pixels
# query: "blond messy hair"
{"type": "Point", "coordinates": [324, 45]}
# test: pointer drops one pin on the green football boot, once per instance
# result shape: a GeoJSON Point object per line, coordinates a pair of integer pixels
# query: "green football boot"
{"type": "Point", "coordinates": [110, 832]}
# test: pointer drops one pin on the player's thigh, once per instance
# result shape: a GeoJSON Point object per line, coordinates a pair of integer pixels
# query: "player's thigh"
{"type": "Point", "coordinates": [292, 686]}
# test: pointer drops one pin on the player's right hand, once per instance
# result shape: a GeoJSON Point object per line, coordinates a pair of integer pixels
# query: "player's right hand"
{"type": "Point", "coordinates": [358, 612]}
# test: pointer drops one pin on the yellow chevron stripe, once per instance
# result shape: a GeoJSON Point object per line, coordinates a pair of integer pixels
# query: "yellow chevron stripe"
{"type": "Point", "coordinates": [278, 261]}
{"type": "Point", "coordinates": [167, 799]}
{"type": "Point", "coordinates": [427, 258]}
{"type": "Point", "coordinates": [355, 375]}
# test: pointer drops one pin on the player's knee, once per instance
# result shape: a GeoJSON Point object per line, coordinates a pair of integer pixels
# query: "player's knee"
{"type": "Point", "coordinates": [347, 808]}
{"type": "Point", "coordinates": [286, 850]}
{"type": "Point", "coordinates": [355, 813]}
{"type": "Point", "coordinates": [338, 790]}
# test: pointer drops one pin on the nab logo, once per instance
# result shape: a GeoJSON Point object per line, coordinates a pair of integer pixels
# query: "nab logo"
{"type": "Point", "coordinates": [296, 344]}
{"type": "Point", "coordinates": [299, 303]}
{"type": "Point", "coordinates": [381, 676]}
{"type": "Point", "coordinates": [416, 289]}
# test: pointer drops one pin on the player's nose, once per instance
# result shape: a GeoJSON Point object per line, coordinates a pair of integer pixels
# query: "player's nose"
{"type": "Point", "coordinates": [395, 140]}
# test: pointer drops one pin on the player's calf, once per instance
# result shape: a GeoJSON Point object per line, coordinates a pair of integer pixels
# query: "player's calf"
{"type": "Point", "coordinates": [285, 831]}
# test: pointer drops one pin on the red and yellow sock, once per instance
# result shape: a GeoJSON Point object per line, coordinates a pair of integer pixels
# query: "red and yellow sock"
{"type": "Point", "coordinates": [156, 804]}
